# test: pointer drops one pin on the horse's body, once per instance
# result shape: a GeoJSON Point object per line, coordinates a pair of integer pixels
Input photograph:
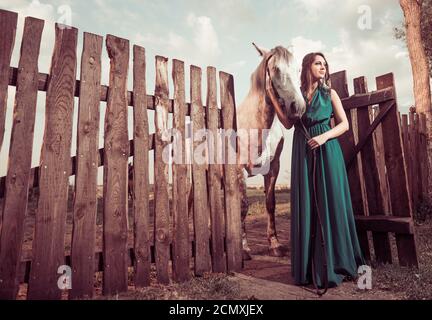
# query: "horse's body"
{"type": "Point", "coordinates": [257, 112]}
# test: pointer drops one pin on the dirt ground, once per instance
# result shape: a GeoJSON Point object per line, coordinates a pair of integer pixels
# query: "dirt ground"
{"type": "Point", "coordinates": [268, 277]}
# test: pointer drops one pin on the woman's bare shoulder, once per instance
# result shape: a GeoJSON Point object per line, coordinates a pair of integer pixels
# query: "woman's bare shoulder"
{"type": "Point", "coordinates": [333, 92]}
{"type": "Point", "coordinates": [334, 95]}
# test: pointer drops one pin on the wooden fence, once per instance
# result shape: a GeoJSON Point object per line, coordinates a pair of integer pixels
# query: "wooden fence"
{"type": "Point", "coordinates": [377, 169]}
{"type": "Point", "coordinates": [130, 244]}
{"type": "Point", "coordinates": [414, 139]}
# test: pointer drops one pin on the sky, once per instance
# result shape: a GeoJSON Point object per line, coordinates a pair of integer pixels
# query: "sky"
{"type": "Point", "coordinates": [356, 36]}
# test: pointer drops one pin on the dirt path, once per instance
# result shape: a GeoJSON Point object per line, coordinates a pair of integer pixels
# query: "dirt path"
{"type": "Point", "coordinates": [266, 277]}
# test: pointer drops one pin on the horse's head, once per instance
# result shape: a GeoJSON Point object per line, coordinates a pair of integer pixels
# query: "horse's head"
{"type": "Point", "coordinates": [279, 68]}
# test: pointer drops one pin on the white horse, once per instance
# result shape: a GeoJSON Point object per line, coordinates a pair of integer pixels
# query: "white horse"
{"type": "Point", "coordinates": [277, 70]}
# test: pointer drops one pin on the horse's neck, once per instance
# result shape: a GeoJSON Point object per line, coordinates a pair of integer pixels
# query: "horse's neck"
{"type": "Point", "coordinates": [253, 112]}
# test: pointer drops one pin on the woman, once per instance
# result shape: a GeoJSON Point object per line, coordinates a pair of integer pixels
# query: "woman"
{"type": "Point", "coordinates": [324, 243]}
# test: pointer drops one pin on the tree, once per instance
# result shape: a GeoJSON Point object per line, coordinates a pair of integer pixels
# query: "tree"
{"type": "Point", "coordinates": [413, 11]}
{"type": "Point", "coordinates": [426, 31]}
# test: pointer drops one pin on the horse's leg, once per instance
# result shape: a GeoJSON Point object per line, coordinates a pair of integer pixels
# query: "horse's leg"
{"type": "Point", "coordinates": [244, 210]}
{"type": "Point", "coordinates": [269, 187]}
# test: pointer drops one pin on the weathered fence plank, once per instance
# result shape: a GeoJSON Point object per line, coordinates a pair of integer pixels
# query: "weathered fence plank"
{"type": "Point", "coordinates": [422, 155]}
{"type": "Point", "coordinates": [116, 147]}
{"type": "Point", "coordinates": [380, 160]}
{"type": "Point", "coordinates": [373, 182]}
{"type": "Point", "coordinates": [367, 99]}
{"type": "Point", "coordinates": [161, 197]}
{"type": "Point", "coordinates": [85, 204]}
{"type": "Point", "coordinates": [140, 197]}
{"type": "Point", "coordinates": [397, 176]}
{"type": "Point", "coordinates": [214, 176]}
{"type": "Point", "coordinates": [414, 123]}
{"type": "Point", "coordinates": [48, 243]}
{"type": "Point", "coordinates": [20, 154]}
{"type": "Point", "coordinates": [181, 243]}
{"type": "Point", "coordinates": [347, 141]}
{"type": "Point", "coordinates": [370, 170]}
{"type": "Point", "coordinates": [231, 184]}
{"type": "Point", "coordinates": [43, 84]}
{"type": "Point", "coordinates": [199, 162]}
{"type": "Point", "coordinates": [8, 25]}
{"type": "Point", "coordinates": [407, 152]}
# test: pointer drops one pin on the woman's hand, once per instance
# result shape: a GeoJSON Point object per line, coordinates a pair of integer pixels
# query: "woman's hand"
{"type": "Point", "coordinates": [317, 141]}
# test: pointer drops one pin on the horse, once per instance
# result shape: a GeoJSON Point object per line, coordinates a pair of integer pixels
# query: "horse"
{"type": "Point", "coordinates": [256, 112]}
{"type": "Point", "coordinates": [278, 70]}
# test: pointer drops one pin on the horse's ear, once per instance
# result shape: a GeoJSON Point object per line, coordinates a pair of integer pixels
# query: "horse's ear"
{"type": "Point", "coordinates": [261, 51]}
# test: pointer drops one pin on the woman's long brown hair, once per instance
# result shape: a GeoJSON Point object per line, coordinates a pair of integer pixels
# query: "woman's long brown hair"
{"type": "Point", "coordinates": [306, 76]}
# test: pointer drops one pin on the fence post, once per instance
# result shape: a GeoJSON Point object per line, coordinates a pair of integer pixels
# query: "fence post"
{"type": "Point", "coordinates": [8, 25]}
{"type": "Point", "coordinates": [140, 195]}
{"type": "Point", "coordinates": [347, 141]}
{"type": "Point", "coordinates": [214, 175]}
{"type": "Point", "coordinates": [48, 242]}
{"type": "Point", "coordinates": [161, 184]}
{"type": "Point", "coordinates": [423, 160]}
{"type": "Point", "coordinates": [397, 175]}
{"type": "Point", "coordinates": [116, 147]}
{"type": "Point", "coordinates": [85, 204]}
{"type": "Point", "coordinates": [20, 154]}
{"type": "Point", "coordinates": [232, 196]}
{"type": "Point", "coordinates": [201, 205]}
{"type": "Point", "coordinates": [413, 159]}
{"type": "Point", "coordinates": [372, 176]}
{"type": "Point", "coordinates": [181, 245]}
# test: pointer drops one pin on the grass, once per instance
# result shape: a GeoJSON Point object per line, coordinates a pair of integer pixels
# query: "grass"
{"type": "Point", "coordinates": [257, 206]}
{"type": "Point", "coordinates": [214, 286]}
{"type": "Point", "coordinates": [411, 283]}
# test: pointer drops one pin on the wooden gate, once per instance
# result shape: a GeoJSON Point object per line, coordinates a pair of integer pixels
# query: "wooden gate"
{"type": "Point", "coordinates": [129, 244]}
{"type": "Point", "coordinates": [377, 169]}
{"type": "Point", "coordinates": [415, 146]}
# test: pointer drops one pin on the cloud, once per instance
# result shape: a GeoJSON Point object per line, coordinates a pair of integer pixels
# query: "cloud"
{"type": "Point", "coordinates": [229, 14]}
{"type": "Point", "coordinates": [302, 46]}
{"type": "Point", "coordinates": [171, 42]}
{"type": "Point", "coordinates": [205, 37]}
{"type": "Point", "coordinates": [371, 58]}
{"type": "Point", "coordinates": [314, 9]}
{"type": "Point", "coordinates": [201, 48]}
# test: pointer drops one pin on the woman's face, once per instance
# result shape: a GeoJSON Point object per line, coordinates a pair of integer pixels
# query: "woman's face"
{"type": "Point", "coordinates": [318, 68]}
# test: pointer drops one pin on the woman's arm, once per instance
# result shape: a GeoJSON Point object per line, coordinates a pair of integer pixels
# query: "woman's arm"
{"type": "Point", "coordinates": [341, 118]}
{"type": "Point", "coordinates": [341, 127]}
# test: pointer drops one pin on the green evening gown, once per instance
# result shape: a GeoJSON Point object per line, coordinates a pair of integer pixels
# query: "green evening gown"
{"type": "Point", "coordinates": [342, 247]}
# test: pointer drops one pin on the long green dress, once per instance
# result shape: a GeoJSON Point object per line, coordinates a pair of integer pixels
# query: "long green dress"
{"type": "Point", "coordinates": [342, 247]}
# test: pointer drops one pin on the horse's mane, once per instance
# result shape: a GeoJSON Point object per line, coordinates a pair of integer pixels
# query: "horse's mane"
{"type": "Point", "coordinates": [257, 77]}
